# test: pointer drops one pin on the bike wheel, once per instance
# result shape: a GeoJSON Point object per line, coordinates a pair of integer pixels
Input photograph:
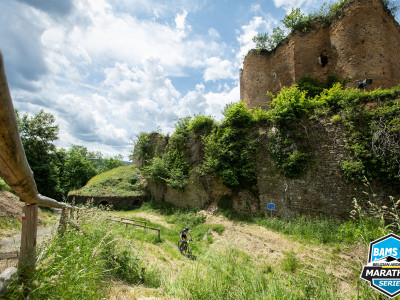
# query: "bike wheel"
{"type": "Point", "coordinates": [188, 251]}
{"type": "Point", "coordinates": [184, 249]}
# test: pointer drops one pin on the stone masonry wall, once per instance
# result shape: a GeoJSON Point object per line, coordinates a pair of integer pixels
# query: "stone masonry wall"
{"type": "Point", "coordinates": [364, 42]}
{"type": "Point", "coordinates": [321, 190]}
{"type": "Point", "coordinates": [128, 202]}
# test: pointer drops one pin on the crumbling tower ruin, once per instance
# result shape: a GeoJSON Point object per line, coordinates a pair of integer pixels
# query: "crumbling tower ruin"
{"type": "Point", "coordinates": [363, 42]}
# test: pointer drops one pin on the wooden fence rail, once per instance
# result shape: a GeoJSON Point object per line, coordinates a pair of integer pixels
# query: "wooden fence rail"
{"type": "Point", "coordinates": [133, 220]}
{"type": "Point", "coordinates": [16, 172]}
{"type": "Point", "coordinates": [137, 225]}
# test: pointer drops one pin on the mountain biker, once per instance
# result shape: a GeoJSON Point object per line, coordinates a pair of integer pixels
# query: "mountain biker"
{"type": "Point", "coordinates": [183, 237]}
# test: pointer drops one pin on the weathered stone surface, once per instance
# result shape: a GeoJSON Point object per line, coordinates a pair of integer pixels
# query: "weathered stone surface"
{"type": "Point", "coordinates": [364, 42]}
{"type": "Point", "coordinates": [199, 192]}
{"type": "Point", "coordinates": [321, 190]}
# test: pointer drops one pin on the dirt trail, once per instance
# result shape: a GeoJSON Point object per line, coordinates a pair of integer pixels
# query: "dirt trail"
{"type": "Point", "coordinates": [9, 246]}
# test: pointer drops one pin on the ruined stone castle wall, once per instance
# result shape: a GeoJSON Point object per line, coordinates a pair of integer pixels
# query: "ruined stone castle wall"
{"type": "Point", "coordinates": [363, 42]}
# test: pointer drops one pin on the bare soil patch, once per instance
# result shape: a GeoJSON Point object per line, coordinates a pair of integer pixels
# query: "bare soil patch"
{"type": "Point", "coordinates": [9, 204]}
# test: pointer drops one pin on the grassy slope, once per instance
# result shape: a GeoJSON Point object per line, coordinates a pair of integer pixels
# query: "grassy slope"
{"type": "Point", "coordinates": [239, 260]}
{"type": "Point", "coordinates": [122, 181]}
{"type": "Point", "coordinates": [233, 259]}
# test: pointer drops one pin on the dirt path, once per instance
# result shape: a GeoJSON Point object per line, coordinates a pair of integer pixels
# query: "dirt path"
{"type": "Point", "coordinates": [9, 247]}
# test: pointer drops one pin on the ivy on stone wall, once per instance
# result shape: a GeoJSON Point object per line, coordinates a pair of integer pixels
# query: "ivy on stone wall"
{"type": "Point", "coordinates": [372, 128]}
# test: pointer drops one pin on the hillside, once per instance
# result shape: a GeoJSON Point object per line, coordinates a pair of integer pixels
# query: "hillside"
{"type": "Point", "coordinates": [122, 187]}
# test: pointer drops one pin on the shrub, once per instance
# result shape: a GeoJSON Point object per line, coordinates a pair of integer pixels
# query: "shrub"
{"type": "Point", "coordinates": [295, 20]}
{"type": "Point", "coordinates": [291, 104]}
{"type": "Point", "coordinates": [157, 169]}
{"type": "Point", "coordinates": [353, 170]}
{"type": "Point", "coordinates": [230, 149]}
{"type": "Point", "coordinates": [143, 148]}
{"type": "Point", "coordinates": [230, 153]}
{"type": "Point", "coordinates": [201, 123]}
{"type": "Point", "coordinates": [311, 85]}
{"type": "Point", "coordinates": [288, 158]}
{"type": "Point", "coordinates": [171, 167]}
{"type": "Point", "coordinates": [260, 115]}
{"type": "Point", "coordinates": [237, 115]}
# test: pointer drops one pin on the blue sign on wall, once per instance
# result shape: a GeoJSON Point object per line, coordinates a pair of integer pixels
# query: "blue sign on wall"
{"type": "Point", "coordinates": [271, 206]}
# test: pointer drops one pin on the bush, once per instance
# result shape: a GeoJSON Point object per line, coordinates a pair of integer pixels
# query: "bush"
{"type": "Point", "coordinates": [353, 170]}
{"type": "Point", "coordinates": [230, 154]}
{"type": "Point", "coordinates": [291, 104]}
{"type": "Point", "coordinates": [201, 123]}
{"type": "Point", "coordinates": [230, 149]}
{"type": "Point", "coordinates": [157, 169]}
{"type": "Point", "coordinates": [237, 115]}
{"type": "Point", "coordinates": [288, 158]}
{"type": "Point", "coordinates": [312, 86]}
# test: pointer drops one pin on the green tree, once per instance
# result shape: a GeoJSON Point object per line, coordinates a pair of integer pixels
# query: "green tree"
{"type": "Point", "coordinates": [263, 41]}
{"type": "Point", "coordinates": [37, 135]}
{"type": "Point", "coordinates": [110, 163]}
{"type": "Point", "coordinates": [143, 149]}
{"type": "Point", "coordinates": [278, 35]}
{"type": "Point", "coordinates": [294, 19]}
{"type": "Point", "coordinates": [79, 168]}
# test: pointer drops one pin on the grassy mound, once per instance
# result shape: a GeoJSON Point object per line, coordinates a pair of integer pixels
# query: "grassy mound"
{"type": "Point", "coordinates": [121, 182]}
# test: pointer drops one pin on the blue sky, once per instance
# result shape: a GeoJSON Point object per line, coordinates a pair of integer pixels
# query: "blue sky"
{"type": "Point", "coordinates": [109, 69]}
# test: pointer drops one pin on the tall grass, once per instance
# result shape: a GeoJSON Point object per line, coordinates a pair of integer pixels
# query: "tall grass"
{"type": "Point", "coordinates": [79, 265]}
{"type": "Point", "coordinates": [232, 274]}
{"type": "Point", "coordinates": [324, 230]}
{"type": "Point", "coordinates": [82, 266]}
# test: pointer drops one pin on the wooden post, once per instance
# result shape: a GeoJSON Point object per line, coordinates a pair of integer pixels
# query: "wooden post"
{"type": "Point", "coordinates": [27, 257]}
{"type": "Point", "coordinates": [63, 221]}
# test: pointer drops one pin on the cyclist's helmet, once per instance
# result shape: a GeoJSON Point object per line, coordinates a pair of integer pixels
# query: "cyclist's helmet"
{"type": "Point", "coordinates": [186, 228]}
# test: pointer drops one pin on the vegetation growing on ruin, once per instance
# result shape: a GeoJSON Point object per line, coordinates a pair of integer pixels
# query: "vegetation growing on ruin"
{"type": "Point", "coordinates": [370, 121]}
{"type": "Point", "coordinates": [296, 20]}
{"type": "Point", "coordinates": [230, 149]}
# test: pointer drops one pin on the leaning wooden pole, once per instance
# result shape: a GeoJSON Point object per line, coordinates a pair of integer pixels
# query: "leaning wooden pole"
{"type": "Point", "coordinates": [14, 167]}
{"type": "Point", "coordinates": [15, 171]}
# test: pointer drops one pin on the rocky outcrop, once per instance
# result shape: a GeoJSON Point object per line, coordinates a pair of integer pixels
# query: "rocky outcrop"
{"type": "Point", "coordinates": [363, 42]}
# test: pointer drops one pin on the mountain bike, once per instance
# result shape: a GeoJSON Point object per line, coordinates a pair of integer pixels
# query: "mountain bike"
{"type": "Point", "coordinates": [185, 248]}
